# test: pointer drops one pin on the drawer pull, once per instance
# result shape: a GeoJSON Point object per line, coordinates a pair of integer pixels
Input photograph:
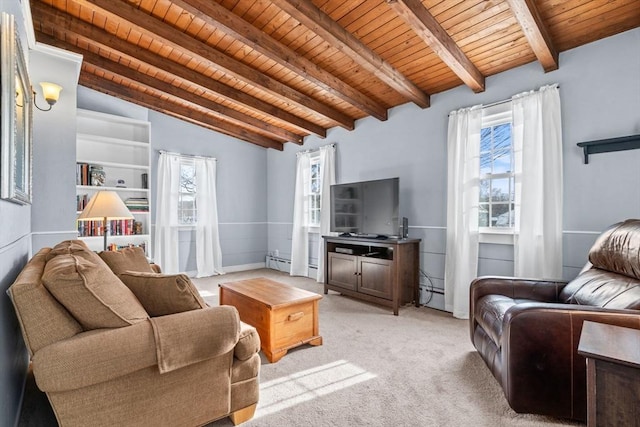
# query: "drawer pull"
{"type": "Point", "coordinates": [295, 316]}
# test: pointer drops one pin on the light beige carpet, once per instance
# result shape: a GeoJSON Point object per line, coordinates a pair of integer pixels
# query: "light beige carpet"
{"type": "Point", "coordinates": [376, 369]}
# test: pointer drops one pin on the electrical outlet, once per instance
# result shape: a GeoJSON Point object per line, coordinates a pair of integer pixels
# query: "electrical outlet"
{"type": "Point", "coordinates": [276, 253]}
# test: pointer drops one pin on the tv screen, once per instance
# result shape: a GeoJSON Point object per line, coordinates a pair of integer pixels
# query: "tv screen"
{"type": "Point", "coordinates": [367, 208]}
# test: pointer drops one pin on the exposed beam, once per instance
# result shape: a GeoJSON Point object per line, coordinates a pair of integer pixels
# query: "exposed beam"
{"type": "Point", "coordinates": [54, 18]}
{"type": "Point", "coordinates": [225, 20]}
{"type": "Point", "coordinates": [183, 113]}
{"type": "Point", "coordinates": [431, 32]}
{"type": "Point", "coordinates": [320, 23]}
{"type": "Point", "coordinates": [535, 31]}
{"type": "Point", "coordinates": [217, 110]}
{"type": "Point", "coordinates": [125, 13]}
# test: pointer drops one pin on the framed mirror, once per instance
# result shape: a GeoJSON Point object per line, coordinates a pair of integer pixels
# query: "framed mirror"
{"type": "Point", "coordinates": [16, 115]}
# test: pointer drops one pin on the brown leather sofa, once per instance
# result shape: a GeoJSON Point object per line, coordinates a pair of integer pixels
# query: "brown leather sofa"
{"type": "Point", "coordinates": [527, 331]}
{"type": "Point", "coordinates": [114, 343]}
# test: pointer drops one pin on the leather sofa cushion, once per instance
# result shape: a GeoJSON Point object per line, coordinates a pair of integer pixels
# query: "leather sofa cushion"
{"type": "Point", "coordinates": [162, 294]}
{"type": "Point", "coordinates": [91, 292]}
{"type": "Point", "coordinates": [618, 250]}
{"type": "Point", "coordinates": [490, 311]}
{"type": "Point", "coordinates": [601, 288]}
{"type": "Point", "coordinates": [127, 259]}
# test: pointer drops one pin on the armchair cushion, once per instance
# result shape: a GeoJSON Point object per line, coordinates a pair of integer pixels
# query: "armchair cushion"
{"type": "Point", "coordinates": [127, 259]}
{"type": "Point", "coordinates": [605, 289]}
{"type": "Point", "coordinates": [162, 294]}
{"type": "Point", "coordinates": [193, 336]}
{"type": "Point", "coordinates": [93, 295]}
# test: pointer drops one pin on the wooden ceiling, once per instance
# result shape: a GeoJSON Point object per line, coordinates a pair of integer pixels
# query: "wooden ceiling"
{"type": "Point", "coordinates": [272, 72]}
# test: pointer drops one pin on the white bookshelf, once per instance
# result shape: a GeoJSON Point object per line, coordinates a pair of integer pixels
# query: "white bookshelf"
{"type": "Point", "coordinates": [121, 146]}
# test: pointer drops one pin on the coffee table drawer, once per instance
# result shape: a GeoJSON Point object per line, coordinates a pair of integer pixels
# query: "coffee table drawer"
{"type": "Point", "coordinates": [293, 324]}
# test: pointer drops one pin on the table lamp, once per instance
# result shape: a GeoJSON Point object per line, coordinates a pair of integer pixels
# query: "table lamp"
{"type": "Point", "coordinates": [105, 205]}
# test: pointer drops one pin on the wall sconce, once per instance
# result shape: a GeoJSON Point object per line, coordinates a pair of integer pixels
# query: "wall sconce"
{"type": "Point", "coordinates": [51, 94]}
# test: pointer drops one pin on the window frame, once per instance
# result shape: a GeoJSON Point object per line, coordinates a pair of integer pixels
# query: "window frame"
{"type": "Point", "coordinates": [314, 159]}
{"type": "Point", "coordinates": [494, 116]}
{"type": "Point", "coordinates": [191, 162]}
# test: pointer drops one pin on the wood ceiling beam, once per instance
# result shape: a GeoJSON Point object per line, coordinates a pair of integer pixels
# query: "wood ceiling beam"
{"type": "Point", "coordinates": [535, 31]}
{"type": "Point", "coordinates": [431, 32]}
{"type": "Point", "coordinates": [320, 23]}
{"type": "Point", "coordinates": [50, 17]}
{"type": "Point", "coordinates": [190, 115]}
{"type": "Point", "coordinates": [126, 14]}
{"type": "Point", "coordinates": [217, 110]}
{"type": "Point", "coordinates": [225, 20]}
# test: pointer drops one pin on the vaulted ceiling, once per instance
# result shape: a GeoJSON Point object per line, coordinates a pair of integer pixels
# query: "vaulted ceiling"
{"type": "Point", "coordinates": [270, 72]}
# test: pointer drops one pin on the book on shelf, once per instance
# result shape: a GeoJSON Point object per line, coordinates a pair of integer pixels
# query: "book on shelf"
{"type": "Point", "coordinates": [140, 204]}
{"type": "Point", "coordinates": [81, 201]}
{"type": "Point", "coordinates": [117, 227]}
{"type": "Point", "coordinates": [89, 174]}
{"type": "Point", "coordinates": [115, 247]}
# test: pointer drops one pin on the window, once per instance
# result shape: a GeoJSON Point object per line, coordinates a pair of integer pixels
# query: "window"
{"type": "Point", "coordinates": [497, 173]}
{"type": "Point", "coordinates": [187, 208]}
{"type": "Point", "coordinates": [315, 191]}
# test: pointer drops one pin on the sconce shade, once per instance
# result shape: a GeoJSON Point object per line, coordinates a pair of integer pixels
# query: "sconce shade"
{"type": "Point", "coordinates": [105, 204]}
{"type": "Point", "coordinates": [50, 92]}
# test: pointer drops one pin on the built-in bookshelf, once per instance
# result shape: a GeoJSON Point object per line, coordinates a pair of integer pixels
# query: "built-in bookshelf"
{"type": "Point", "coordinates": [113, 153]}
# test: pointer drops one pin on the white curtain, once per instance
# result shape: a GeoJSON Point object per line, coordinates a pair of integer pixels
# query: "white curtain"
{"type": "Point", "coordinates": [463, 162]}
{"type": "Point", "coordinates": [166, 234]}
{"type": "Point", "coordinates": [328, 178]}
{"type": "Point", "coordinates": [537, 139]}
{"type": "Point", "coordinates": [300, 235]}
{"type": "Point", "coordinates": [208, 253]}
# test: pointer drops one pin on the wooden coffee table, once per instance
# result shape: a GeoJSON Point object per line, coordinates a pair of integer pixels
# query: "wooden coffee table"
{"type": "Point", "coordinates": [285, 316]}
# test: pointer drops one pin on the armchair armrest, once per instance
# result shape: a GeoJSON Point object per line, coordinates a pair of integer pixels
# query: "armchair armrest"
{"type": "Point", "coordinates": [534, 289]}
{"type": "Point", "coordinates": [175, 340]}
{"type": "Point", "coordinates": [193, 336]}
{"type": "Point", "coordinates": [93, 357]}
{"type": "Point", "coordinates": [540, 360]}
{"type": "Point", "coordinates": [531, 289]}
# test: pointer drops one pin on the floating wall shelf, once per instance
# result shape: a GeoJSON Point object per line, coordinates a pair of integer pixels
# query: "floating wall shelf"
{"type": "Point", "coordinates": [606, 145]}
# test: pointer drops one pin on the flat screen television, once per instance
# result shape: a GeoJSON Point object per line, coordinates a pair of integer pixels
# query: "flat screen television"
{"type": "Point", "coordinates": [366, 208]}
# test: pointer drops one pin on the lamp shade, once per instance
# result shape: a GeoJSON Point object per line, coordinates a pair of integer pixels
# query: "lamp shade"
{"type": "Point", "coordinates": [51, 92]}
{"type": "Point", "coordinates": [105, 204]}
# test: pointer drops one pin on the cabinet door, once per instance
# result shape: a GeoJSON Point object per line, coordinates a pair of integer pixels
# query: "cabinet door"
{"type": "Point", "coordinates": [376, 277]}
{"type": "Point", "coordinates": [343, 270]}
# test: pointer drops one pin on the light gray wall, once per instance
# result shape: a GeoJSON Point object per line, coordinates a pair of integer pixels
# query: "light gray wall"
{"type": "Point", "coordinates": [15, 246]}
{"type": "Point", "coordinates": [241, 185]}
{"type": "Point", "coordinates": [53, 214]}
{"type": "Point", "coordinates": [600, 95]}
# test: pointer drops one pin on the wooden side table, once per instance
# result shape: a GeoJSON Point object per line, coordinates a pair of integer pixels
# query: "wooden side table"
{"type": "Point", "coordinates": [613, 374]}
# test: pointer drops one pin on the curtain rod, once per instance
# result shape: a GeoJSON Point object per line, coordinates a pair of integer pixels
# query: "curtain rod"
{"type": "Point", "coordinates": [313, 150]}
{"type": "Point", "coordinates": [493, 104]}
{"type": "Point", "coordinates": [194, 156]}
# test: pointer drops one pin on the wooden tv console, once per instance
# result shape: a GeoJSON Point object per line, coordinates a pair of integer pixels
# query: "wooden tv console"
{"type": "Point", "coordinates": [381, 271]}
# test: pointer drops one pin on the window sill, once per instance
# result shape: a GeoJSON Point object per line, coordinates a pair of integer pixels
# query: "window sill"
{"type": "Point", "coordinates": [496, 237]}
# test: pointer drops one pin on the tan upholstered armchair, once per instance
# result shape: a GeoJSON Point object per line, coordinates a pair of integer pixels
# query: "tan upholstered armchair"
{"type": "Point", "coordinates": [135, 348]}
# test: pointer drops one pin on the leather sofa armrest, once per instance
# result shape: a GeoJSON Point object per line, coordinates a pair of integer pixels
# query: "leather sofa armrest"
{"type": "Point", "coordinates": [532, 289]}
{"type": "Point", "coordinates": [540, 362]}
